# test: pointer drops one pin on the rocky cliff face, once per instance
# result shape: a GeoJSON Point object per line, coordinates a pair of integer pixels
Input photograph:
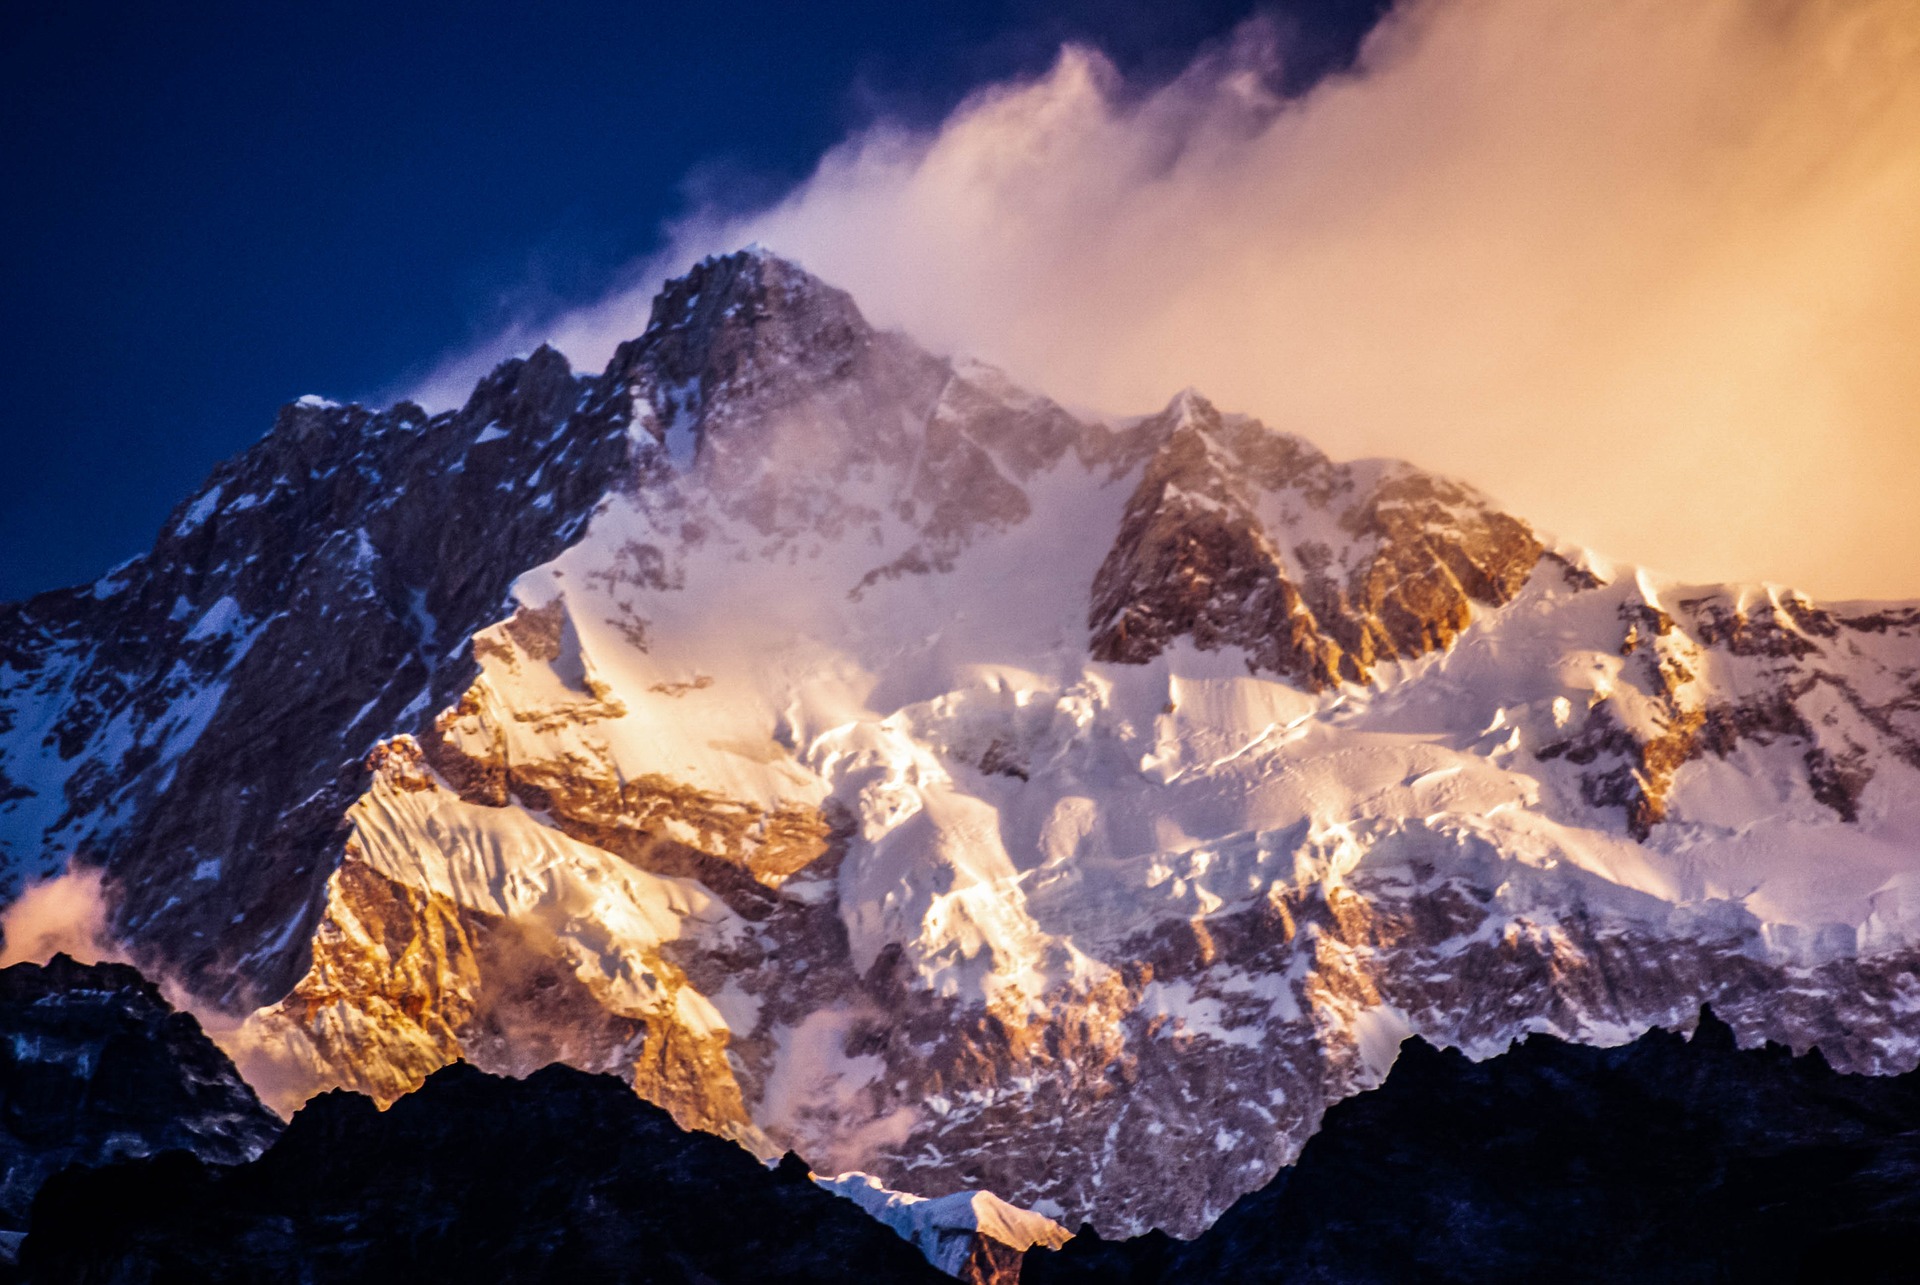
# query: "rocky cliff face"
{"type": "Point", "coordinates": [860, 755]}
{"type": "Point", "coordinates": [1666, 1159]}
{"type": "Point", "coordinates": [196, 722]}
{"type": "Point", "coordinates": [561, 1176]}
{"type": "Point", "coordinates": [96, 1066]}
{"type": "Point", "coordinates": [1385, 562]}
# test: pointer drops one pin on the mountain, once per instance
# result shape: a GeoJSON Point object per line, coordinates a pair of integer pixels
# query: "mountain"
{"type": "Point", "coordinates": [563, 1176]}
{"type": "Point", "coordinates": [96, 1066]}
{"type": "Point", "coordinates": [863, 756]}
{"type": "Point", "coordinates": [1666, 1159]}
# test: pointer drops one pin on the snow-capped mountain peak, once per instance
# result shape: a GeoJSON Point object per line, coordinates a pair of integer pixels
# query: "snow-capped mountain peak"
{"type": "Point", "coordinates": [866, 756]}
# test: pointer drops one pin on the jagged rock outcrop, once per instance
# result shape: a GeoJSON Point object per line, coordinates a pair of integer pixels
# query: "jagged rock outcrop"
{"type": "Point", "coordinates": [195, 722]}
{"type": "Point", "coordinates": [421, 962]}
{"type": "Point", "coordinates": [563, 1176]}
{"type": "Point", "coordinates": [1798, 652]}
{"type": "Point", "coordinates": [95, 1066]}
{"type": "Point", "coordinates": [860, 755]}
{"type": "Point", "coordinates": [1387, 564]}
{"type": "Point", "coordinates": [1666, 1159]}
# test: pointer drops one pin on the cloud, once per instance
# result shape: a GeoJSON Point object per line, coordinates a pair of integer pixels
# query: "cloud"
{"type": "Point", "coordinates": [1645, 271]}
{"type": "Point", "coordinates": [70, 913]}
{"type": "Point", "coordinates": [66, 913]}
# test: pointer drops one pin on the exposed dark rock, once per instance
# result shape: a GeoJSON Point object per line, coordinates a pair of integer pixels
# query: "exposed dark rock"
{"type": "Point", "coordinates": [219, 694]}
{"type": "Point", "coordinates": [95, 1065]}
{"type": "Point", "coordinates": [1787, 629]}
{"type": "Point", "coordinates": [1634, 771]}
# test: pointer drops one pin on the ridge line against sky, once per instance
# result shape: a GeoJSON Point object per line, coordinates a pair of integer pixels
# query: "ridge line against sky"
{"type": "Point", "coordinates": [211, 210]}
{"type": "Point", "coordinates": [1644, 272]}
{"type": "Point", "coordinates": [1648, 274]}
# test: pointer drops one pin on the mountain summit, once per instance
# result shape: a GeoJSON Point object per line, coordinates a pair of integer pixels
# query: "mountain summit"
{"type": "Point", "coordinates": [861, 755]}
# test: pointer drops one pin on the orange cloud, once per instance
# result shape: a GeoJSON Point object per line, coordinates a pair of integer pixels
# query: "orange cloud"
{"type": "Point", "coordinates": [1648, 272]}
{"type": "Point", "coordinates": [66, 913]}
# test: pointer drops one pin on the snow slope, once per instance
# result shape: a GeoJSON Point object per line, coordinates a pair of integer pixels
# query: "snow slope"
{"type": "Point", "coordinates": [949, 1230]}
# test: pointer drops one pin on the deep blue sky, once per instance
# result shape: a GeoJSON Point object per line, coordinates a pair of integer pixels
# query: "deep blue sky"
{"type": "Point", "coordinates": [210, 209]}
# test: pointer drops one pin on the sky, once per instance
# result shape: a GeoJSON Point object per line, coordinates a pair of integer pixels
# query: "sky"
{"type": "Point", "coordinates": [212, 209]}
{"type": "Point", "coordinates": [1647, 273]}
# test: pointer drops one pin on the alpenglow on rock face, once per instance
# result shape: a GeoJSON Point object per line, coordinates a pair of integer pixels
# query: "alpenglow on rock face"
{"type": "Point", "coordinates": [861, 755]}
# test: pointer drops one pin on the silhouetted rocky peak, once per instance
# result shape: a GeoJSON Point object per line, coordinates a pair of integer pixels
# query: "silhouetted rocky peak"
{"type": "Point", "coordinates": [1666, 1159]}
{"type": "Point", "coordinates": [95, 1065]}
{"type": "Point", "coordinates": [539, 390]}
{"type": "Point", "coordinates": [561, 1176]}
{"type": "Point", "coordinates": [751, 354]}
{"type": "Point", "coordinates": [735, 309]}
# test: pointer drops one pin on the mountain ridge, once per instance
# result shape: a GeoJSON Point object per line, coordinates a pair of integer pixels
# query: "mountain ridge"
{"type": "Point", "coordinates": [1664, 1159]}
{"type": "Point", "coordinates": [96, 1066]}
{"type": "Point", "coordinates": [559, 1176]}
{"type": "Point", "coordinates": [1657, 1159]}
{"type": "Point", "coordinates": [861, 755]}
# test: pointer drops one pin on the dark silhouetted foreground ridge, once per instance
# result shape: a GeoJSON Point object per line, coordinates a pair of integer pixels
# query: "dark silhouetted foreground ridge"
{"type": "Point", "coordinates": [563, 1176]}
{"type": "Point", "coordinates": [96, 1065]}
{"type": "Point", "coordinates": [1666, 1159]}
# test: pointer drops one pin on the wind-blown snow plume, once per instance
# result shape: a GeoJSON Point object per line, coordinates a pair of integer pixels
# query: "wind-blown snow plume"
{"type": "Point", "coordinates": [1644, 270]}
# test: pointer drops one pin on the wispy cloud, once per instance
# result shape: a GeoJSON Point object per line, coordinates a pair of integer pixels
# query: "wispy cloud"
{"type": "Point", "coordinates": [71, 913]}
{"type": "Point", "coordinates": [1643, 270]}
{"type": "Point", "coordinates": [66, 913]}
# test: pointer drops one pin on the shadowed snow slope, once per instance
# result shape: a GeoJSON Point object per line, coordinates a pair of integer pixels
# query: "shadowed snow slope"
{"type": "Point", "coordinates": [861, 755]}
